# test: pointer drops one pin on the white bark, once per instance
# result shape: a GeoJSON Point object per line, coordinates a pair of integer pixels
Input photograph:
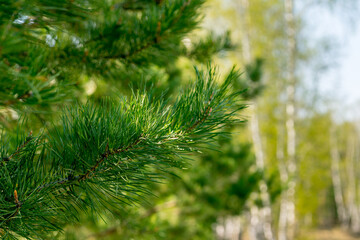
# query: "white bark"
{"type": "Point", "coordinates": [284, 179]}
{"type": "Point", "coordinates": [336, 179]}
{"type": "Point", "coordinates": [245, 39]}
{"type": "Point", "coordinates": [228, 228]}
{"type": "Point", "coordinates": [351, 193]}
{"type": "Point", "coordinates": [356, 227]}
{"type": "Point", "coordinates": [262, 217]}
{"type": "Point", "coordinates": [289, 201]}
{"type": "Point", "coordinates": [266, 211]}
{"type": "Point", "coordinates": [255, 133]}
{"type": "Point", "coordinates": [254, 227]}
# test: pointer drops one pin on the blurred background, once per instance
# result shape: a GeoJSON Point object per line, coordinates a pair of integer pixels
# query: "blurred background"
{"type": "Point", "coordinates": [292, 170]}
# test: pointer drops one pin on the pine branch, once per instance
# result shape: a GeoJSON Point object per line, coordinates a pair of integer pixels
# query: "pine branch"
{"type": "Point", "coordinates": [28, 139]}
{"type": "Point", "coordinates": [203, 50]}
{"type": "Point", "coordinates": [19, 148]}
{"type": "Point", "coordinates": [18, 99]}
{"type": "Point", "coordinates": [34, 64]}
{"type": "Point", "coordinates": [90, 139]}
{"type": "Point", "coordinates": [105, 155]}
{"type": "Point", "coordinates": [18, 206]}
{"type": "Point", "coordinates": [207, 113]}
{"type": "Point", "coordinates": [138, 5]}
{"type": "Point", "coordinates": [159, 36]}
{"type": "Point", "coordinates": [147, 45]}
{"type": "Point", "coordinates": [99, 155]}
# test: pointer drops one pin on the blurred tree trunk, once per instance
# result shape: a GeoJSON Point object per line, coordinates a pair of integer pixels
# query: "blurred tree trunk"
{"type": "Point", "coordinates": [229, 228]}
{"type": "Point", "coordinates": [260, 218]}
{"type": "Point", "coordinates": [287, 208]}
{"type": "Point", "coordinates": [266, 211]}
{"type": "Point", "coordinates": [353, 208]}
{"type": "Point", "coordinates": [336, 179]}
{"type": "Point", "coordinates": [284, 177]}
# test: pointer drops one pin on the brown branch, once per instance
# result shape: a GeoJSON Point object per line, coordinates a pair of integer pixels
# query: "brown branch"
{"type": "Point", "coordinates": [124, 56]}
{"type": "Point", "coordinates": [129, 7]}
{"type": "Point", "coordinates": [152, 41]}
{"type": "Point", "coordinates": [105, 155]}
{"type": "Point", "coordinates": [158, 2]}
{"type": "Point", "coordinates": [181, 11]}
{"type": "Point", "coordinates": [19, 148]}
{"type": "Point", "coordinates": [206, 114]}
{"type": "Point", "coordinates": [18, 99]}
{"type": "Point", "coordinates": [18, 206]}
{"type": "Point", "coordinates": [88, 175]}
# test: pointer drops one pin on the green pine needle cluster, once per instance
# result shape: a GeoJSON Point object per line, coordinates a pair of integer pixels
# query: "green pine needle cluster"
{"type": "Point", "coordinates": [102, 157]}
{"type": "Point", "coordinates": [47, 45]}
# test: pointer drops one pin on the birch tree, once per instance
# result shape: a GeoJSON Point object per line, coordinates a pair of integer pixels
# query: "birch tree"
{"type": "Point", "coordinates": [260, 219]}
{"type": "Point", "coordinates": [288, 201]}
{"type": "Point", "coordinates": [336, 179]}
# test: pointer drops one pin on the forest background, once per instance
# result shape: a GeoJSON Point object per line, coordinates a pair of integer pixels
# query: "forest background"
{"type": "Point", "coordinates": [291, 171]}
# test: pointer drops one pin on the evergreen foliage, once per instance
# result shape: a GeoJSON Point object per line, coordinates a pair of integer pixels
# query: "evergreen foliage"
{"type": "Point", "coordinates": [102, 154]}
{"type": "Point", "coordinates": [218, 186]}
{"type": "Point", "coordinates": [47, 45]}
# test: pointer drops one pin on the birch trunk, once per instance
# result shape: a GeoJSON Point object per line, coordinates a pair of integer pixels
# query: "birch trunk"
{"type": "Point", "coordinates": [284, 179]}
{"type": "Point", "coordinates": [260, 218]}
{"type": "Point", "coordinates": [357, 185]}
{"type": "Point", "coordinates": [266, 211]}
{"type": "Point", "coordinates": [352, 203]}
{"type": "Point", "coordinates": [228, 228]}
{"type": "Point", "coordinates": [289, 204]}
{"type": "Point", "coordinates": [336, 179]}
{"type": "Point", "coordinates": [243, 9]}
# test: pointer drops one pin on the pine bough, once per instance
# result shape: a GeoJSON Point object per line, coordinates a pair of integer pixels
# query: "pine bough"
{"type": "Point", "coordinates": [104, 156]}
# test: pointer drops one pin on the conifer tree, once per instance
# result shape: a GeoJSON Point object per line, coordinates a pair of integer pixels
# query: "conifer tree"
{"type": "Point", "coordinates": [102, 154]}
